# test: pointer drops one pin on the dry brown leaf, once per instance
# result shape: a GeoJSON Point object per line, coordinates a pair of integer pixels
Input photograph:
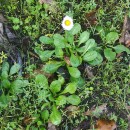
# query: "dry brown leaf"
{"type": "Point", "coordinates": [38, 71]}
{"type": "Point", "coordinates": [128, 107]}
{"type": "Point", "coordinates": [51, 126]}
{"type": "Point", "coordinates": [67, 60]}
{"type": "Point", "coordinates": [91, 18]}
{"type": "Point", "coordinates": [103, 124]}
{"type": "Point", "coordinates": [2, 18]}
{"type": "Point", "coordinates": [27, 120]}
{"type": "Point", "coordinates": [128, 122]}
{"type": "Point", "coordinates": [102, 108]}
{"type": "Point", "coordinates": [45, 1]}
{"type": "Point", "coordinates": [125, 36]}
{"type": "Point", "coordinates": [88, 72]}
{"type": "Point", "coordinates": [72, 110]}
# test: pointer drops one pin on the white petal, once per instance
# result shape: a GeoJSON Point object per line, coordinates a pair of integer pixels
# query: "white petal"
{"type": "Point", "coordinates": [67, 27]}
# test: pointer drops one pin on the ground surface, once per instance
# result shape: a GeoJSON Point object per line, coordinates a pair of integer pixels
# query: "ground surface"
{"type": "Point", "coordinates": [52, 79]}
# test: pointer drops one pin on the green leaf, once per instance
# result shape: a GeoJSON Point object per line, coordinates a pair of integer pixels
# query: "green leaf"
{"type": "Point", "coordinates": [80, 82]}
{"type": "Point", "coordinates": [112, 37]}
{"type": "Point", "coordinates": [84, 36]}
{"type": "Point", "coordinates": [51, 98]}
{"type": "Point", "coordinates": [46, 40]}
{"type": "Point", "coordinates": [59, 52]}
{"type": "Point", "coordinates": [52, 66]}
{"type": "Point", "coordinates": [74, 72]}
{"type": "Point", "coordinates": [61, 79]}
{"type": "Point", "coordinates": [43, 95]}
{"type": "Point", "coordinates": [30, 1]}
{"type": "Point", "coordinates": [75, 60]}
{"type": "Point", "coordinates": [15, 20]}
{"type": "Point", "coordinates": [74, 99]}
{"type": "Point", "coordinates": [101, 32]}
{"type": "Point", "coordinates": [55, 86]}
{"type": "Point", "coordinates": [121, 48]}
{"type": "Point", "coordinates": [69, 37]}
{"type": "Point", "coordinates": [109, 54]}
{"type": "Point", "coordinates": [97, 61]}
{"type": "Point", "coordinates": [45, 115]}
{"type": "Point", "coordinates": [76, 29]}
{"type": "Point", "coordinates": [59, 41]}
{"type": "Point", "coordinates": [4, 100]}
{"type": "Point", "coordinates": [55, 116]}
{"type": "Point", "coordinates": [5, 70]}
{"type": "Point", "coordinates": [18, 85]}
{"type": "Point", "coordinates": [14, 69]}
{"type": "Point", "coordinates": [61, 100]}
{"type": "Point", "coordinates": [90, 55]}
{"type": "Point", "coordinates": [70, 88]}
{"type": "Point", "coordinates": [5, 83]}
{"type": "Point", "coordinates": [41, 80]}
{"type": "Point", "coordinates": [90, 44]}
{"type": "Point", "coordinates": [44, 55]}
{"type": "Point", "coordinates": [45, 105]}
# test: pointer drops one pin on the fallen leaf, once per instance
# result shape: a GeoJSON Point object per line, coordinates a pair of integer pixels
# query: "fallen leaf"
{"type": "Point", "coordinates": [100, 109]}
{"type": "Point", "coordinates": [27, 120]}
{"type": "Point", "coordinates": [72, 110]}
{"type": "Point", "coordinates": [91, 18]}
{"type": "Point", "coordinates": [2, 19]}
{"type": "Point", "coordinates": [128, 107]}
{"type": "Point", "coordinates": [88, 72]}
{"type": "Point", "coordinates": [67, 60]}
{"type": "Point", "coordinates": [103, 124]}
{"type": "Point", "coordinates": [128, 122]}
{"type": "Point", "coordinates": [51, 126]}
{"type": "Point", "coordinates": [38, 71]}
{"type": "Point", "coordinates": [45, 1]}
{"type": "Point", "coordinates": [125, 35]}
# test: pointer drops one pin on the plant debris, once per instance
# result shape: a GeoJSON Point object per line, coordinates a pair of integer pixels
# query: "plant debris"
{"type": "Point", "coordinates": [45, 1]}
{"type": "Point", "coordinates": [125, 36]}
{"type": "Point", "coordinates": [51, 126]}
{"type": "Point", "coordinates": [2, 18]}
{"type": "Point", "coordinates": [88, 72]}
{"type": "Point", "coordinates": [100, 109]}
{"type": "Point", "coordinates": [103, 124]}
{"type": "Point", "coordinates": [91, 18]}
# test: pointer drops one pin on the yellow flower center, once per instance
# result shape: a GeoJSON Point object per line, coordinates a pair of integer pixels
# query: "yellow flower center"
{"type": "Point", "coordinates": [67, 22]}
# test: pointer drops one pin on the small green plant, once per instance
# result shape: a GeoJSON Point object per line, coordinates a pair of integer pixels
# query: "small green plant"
{"type": "Point", "coordinates": [71, 51]}
{"type": "Point", "coordinates": [29, 17]}
{"type": "Point", "coordinates": [17, 22]}
{"type": "Point", "coordinates": [54, 96]}
{"type": "Point", "coordinates": [10, 84]}
{"type": "Point", "coordinates": [109, 38]}
{"type": "Point", "coordinates": [68, 51]}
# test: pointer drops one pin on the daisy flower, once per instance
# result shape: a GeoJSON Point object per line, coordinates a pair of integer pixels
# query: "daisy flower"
{"type": "Point", "coordinates": [67, 23]}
